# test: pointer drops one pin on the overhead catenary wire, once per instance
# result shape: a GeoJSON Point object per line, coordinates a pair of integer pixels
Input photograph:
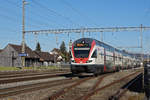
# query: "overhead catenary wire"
{"type": "Point", "coordinates": [42, 22]}
{"type": "Point", "coordinates": [14, 19]}
{"type": "Point", "coordinates": [46, 18]}
{"type": "Point", "coordinates": [13, 3]}
{"type": "Point", "coordinates": [8, 18]}
{"type": "Point", "coordinates": [34, 19]}
{"type": "Point", "coordinates": [55, 13]}
{"type": "Point", "coordinates": [7, 10]}
{"type": "Point", "coordinates": [81, 14]}
{"type": "Point", "coordinates": [34, 22]}
{"type": "Point", "coordinates": [5, 13]}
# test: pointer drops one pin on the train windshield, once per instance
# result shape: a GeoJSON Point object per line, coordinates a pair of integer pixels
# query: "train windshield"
{"type": "Point", "coordinates": [81, 53]}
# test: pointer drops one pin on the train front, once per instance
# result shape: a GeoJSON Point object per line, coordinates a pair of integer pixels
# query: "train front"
{"type": "Point", "coordinates": [82, 60]}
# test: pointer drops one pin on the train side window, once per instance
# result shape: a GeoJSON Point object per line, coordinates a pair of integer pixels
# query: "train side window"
{"type": "Point", "coordinates": [94, 54]}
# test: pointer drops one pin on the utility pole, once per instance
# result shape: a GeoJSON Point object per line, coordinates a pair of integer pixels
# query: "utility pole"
{"type": "Point", "coordinates": [141, 37]}
{"type": "Point", "coordinates": [23, 33]}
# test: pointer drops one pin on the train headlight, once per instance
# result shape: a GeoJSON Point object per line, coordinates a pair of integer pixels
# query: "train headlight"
{"type": "Point", "coordinates": [88, 61]}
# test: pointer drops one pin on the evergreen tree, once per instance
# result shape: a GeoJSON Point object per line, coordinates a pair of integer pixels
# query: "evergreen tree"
{"type": "Point", "coordinates": [63, 51]}
{"type": "Point", "coordinates": [38, 47]}
{"type": "Point", "coordinates": [63, 48]}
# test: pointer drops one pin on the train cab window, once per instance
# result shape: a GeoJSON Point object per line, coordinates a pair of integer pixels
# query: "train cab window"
{"type": "Point", "coordinates": [81, 53]}
{"type": "Point", "coordinates": [94, 54]}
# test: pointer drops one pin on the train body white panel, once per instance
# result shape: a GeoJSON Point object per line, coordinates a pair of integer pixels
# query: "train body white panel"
{"type": "Point", "coordinates": [100, 55]}
{"type": "Point", "coordinates": [92, 56]}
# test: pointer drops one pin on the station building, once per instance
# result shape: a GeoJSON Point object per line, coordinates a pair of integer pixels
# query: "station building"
{"type": "Point", "coordinates": [10, 56]}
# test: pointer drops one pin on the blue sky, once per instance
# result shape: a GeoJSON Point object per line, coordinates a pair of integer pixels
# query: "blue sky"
{"type": "Point", "coordinates": [55, 14]}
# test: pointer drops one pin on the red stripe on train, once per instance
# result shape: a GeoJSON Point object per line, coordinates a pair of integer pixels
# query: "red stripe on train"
{"type": "Point", "coordinates": [104, 60]}
{"type": "Point", "coordinates": [81, 60]}
{"type": "Point", "coordinates": [104, 68]}
{"type": "Point", "coordinates": [92, 46]}
{"type": "Point", "coordinates": [73, 51]}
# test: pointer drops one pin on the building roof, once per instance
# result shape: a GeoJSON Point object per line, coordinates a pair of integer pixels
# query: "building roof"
{"type": "Point", "coordinates": [28, 50]}
{"type": "Point", "coordinates": [45, 56]}
{"type": "Point", "coordinates": [56, 50]}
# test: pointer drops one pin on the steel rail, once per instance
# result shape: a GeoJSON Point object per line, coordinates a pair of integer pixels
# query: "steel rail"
{"type": "Point", "coordinates": [33, 71]}
{"type": "Point", "coordinates": [94, 86]}
{"type": "Point", "coordinates": [87, 96]}
{"type": "Point", "coordinates": [4, 81]}
{"type": "Point", "coordinates": [29, 74]}
{"type": "Point", "coordinates": [121, 92]}
{"type": "Point", "coordinates": [6, 92]}
{"type": "Point", "coordinates": [63, 91]}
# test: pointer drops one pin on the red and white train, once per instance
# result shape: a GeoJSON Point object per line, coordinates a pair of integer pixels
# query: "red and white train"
{"type": "Point", "coordinates": [92, 56]}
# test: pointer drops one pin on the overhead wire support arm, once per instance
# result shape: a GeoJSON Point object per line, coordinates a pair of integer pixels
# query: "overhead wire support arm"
{"type": "Point", "coordinates": [80, 30]}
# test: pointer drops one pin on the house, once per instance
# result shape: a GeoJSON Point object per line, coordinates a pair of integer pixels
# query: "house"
{"type": "Point", "coordinates": [55, 51]}
{"type": "Point", "coordinates": [45, 58]}
{"type": "Point", "coordinates": [57, 55]}
{"type": "Point", "coordinates": [10, 56]}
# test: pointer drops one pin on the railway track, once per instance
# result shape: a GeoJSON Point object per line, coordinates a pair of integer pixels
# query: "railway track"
{"type": "Point", "coordinates": [125, 88]}
{"type": "Point", "coordinates": [29, 74]}
{"type": "Point", "coordinates": [63, 91]}
{"type": "Point", "coordinates": [61, 94]}
{"type": "Point", "coordinates": [96, 91]}
{"type": "Point", "coordinates": [69, 93]}
{"type": "Point", "coordinates": [28, 78]}
{"type": "Point", "coordinates": [3, 73]}
{"type": "Point", "coordinates": [66, 89]}
{"type": "Point", "coordinates": [12, 91]}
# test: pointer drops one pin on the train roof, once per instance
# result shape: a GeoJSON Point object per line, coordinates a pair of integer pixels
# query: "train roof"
{"type": "Point", "coordinates": [90, 40]}
{"type": "Point", "coordinates": [87, 40]}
